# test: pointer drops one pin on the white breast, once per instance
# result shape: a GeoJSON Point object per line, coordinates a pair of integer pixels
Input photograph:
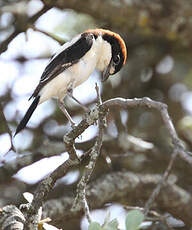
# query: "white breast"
{"type": "Point", "coordinates": [81, 71]}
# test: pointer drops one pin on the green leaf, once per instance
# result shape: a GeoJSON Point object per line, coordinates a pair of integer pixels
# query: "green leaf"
{"type": "Point", "coordinates": [113, 225]}
{"type": "Point", "coordinates": [133, 220]}
{"type": "Point", "coordinates": [94, 226]}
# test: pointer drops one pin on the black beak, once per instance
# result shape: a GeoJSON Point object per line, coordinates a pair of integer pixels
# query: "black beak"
{"type": "Point", "coordinates": [106, 71]}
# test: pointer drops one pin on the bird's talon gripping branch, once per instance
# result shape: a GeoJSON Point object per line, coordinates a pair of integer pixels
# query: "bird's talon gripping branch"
{"type": "Point", "coordinates": [76, 60]}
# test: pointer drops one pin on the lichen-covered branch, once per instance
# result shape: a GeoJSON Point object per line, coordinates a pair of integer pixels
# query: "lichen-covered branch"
{"type": "Point", "coordinates": [11, 218]}
{"type": "Point", "coordinates": [80, 199]}
{"type": "Point", "coordinates": [69, 140]}
{"type": "Point", "coordinates": [47, 184]}
{"type": "Point", "coordinates": [129, 187]}
{"type": "Point", "coordinates": [162, 109]}
{"type": "Point", "coordinates": [118, 186]}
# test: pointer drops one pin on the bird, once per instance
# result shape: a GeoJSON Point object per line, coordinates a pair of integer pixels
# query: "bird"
{"type": "Point", "coordinates": [73, 64]}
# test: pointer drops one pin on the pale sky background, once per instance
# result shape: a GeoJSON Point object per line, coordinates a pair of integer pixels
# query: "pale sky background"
{"type": "Point", "coordinates": [24, 80]}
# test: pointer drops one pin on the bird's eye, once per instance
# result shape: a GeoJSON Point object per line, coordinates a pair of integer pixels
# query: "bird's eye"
{"type": "Point", "coordinates": [116, 60]}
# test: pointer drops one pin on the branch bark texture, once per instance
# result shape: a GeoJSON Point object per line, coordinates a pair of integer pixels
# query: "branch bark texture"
{"type": "Point", "coordinates": [69, 139]}
{"type": "Point", "coordinates": [129, 187]}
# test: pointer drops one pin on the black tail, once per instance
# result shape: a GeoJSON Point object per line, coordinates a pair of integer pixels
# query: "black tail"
{"type": "Point", "coordinates": [27, 116]}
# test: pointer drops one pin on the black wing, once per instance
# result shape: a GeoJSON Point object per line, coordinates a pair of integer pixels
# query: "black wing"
{"type": "Point", "coordinates": [64, 60]}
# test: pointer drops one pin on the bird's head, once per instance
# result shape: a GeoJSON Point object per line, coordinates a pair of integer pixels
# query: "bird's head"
{"type": "Point", "coordinates": [118, 51]}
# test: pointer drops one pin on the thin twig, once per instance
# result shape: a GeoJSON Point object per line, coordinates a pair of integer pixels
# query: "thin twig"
{"type": "Point", "coordinates": [51, 35]}
{"type": "Point", "coordinates": [162, 108]}
{"type": "Point", "coordinates": [19, 28]}
{"type": "Point", "coordinates": [7, 129]}
{"type": "Point", "coordinates": [86, 207]}
{"type": "Point", "coordinates": [80, 199]}
{"type": "Point", "coordinates": [160, 184]}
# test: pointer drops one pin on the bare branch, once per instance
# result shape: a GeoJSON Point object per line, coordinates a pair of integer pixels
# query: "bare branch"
{"type": "Point", "coordinates": [80, 200]}
{"type": "Point", "coordinates": [162, 108]}
{"type": "Point", "coordinates": [51, 35]}
{"type": "Point", "coordinates": [47, 184]}
{"type": "Point", "coordinates": [19, 28]}
{"type": "Point", "coordinates": [160, 184]}
{"type": "Point", "coordinates": [98, 113]}
{"type": "Point", "coordinates": [6, 127]}
{"type": "Point", "coordinates": [120, 186]}
{"type": "Point", "coordinates": [138, 16]}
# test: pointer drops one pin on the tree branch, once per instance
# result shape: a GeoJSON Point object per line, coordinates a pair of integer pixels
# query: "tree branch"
{"type": "Point", "coordinates": [156, 191]}
{"type": "Point", "coordinates": [6, 128]}
{"type": "Point", "coordinates": [11, 218]}
{"type": "Point", "coordinates": [162, 109]}
{"type": "Point", "coordinates": [47, 184]}
{"type": "Point", "coordinates": [99, 112]}
{"type": "Point", "coordinates": [20, 28]}
{"type": "Point", "coordinates": [140, 17]}
{"type": "Point", "coordinates": [80, 199]}
{"type": "Point", "coordinates": [124, 187]}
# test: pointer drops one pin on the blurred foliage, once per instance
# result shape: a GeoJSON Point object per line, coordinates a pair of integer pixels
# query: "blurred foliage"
{"type": "Point", "coordinates": [133, 221]}
{"type": "Point", "coordinates": [158, 37]}
{"type": "Point", "coordinates": [76, 23]}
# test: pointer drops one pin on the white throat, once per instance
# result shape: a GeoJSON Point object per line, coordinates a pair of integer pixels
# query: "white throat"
{"type": "Point", "coordinates": [104, 53]}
